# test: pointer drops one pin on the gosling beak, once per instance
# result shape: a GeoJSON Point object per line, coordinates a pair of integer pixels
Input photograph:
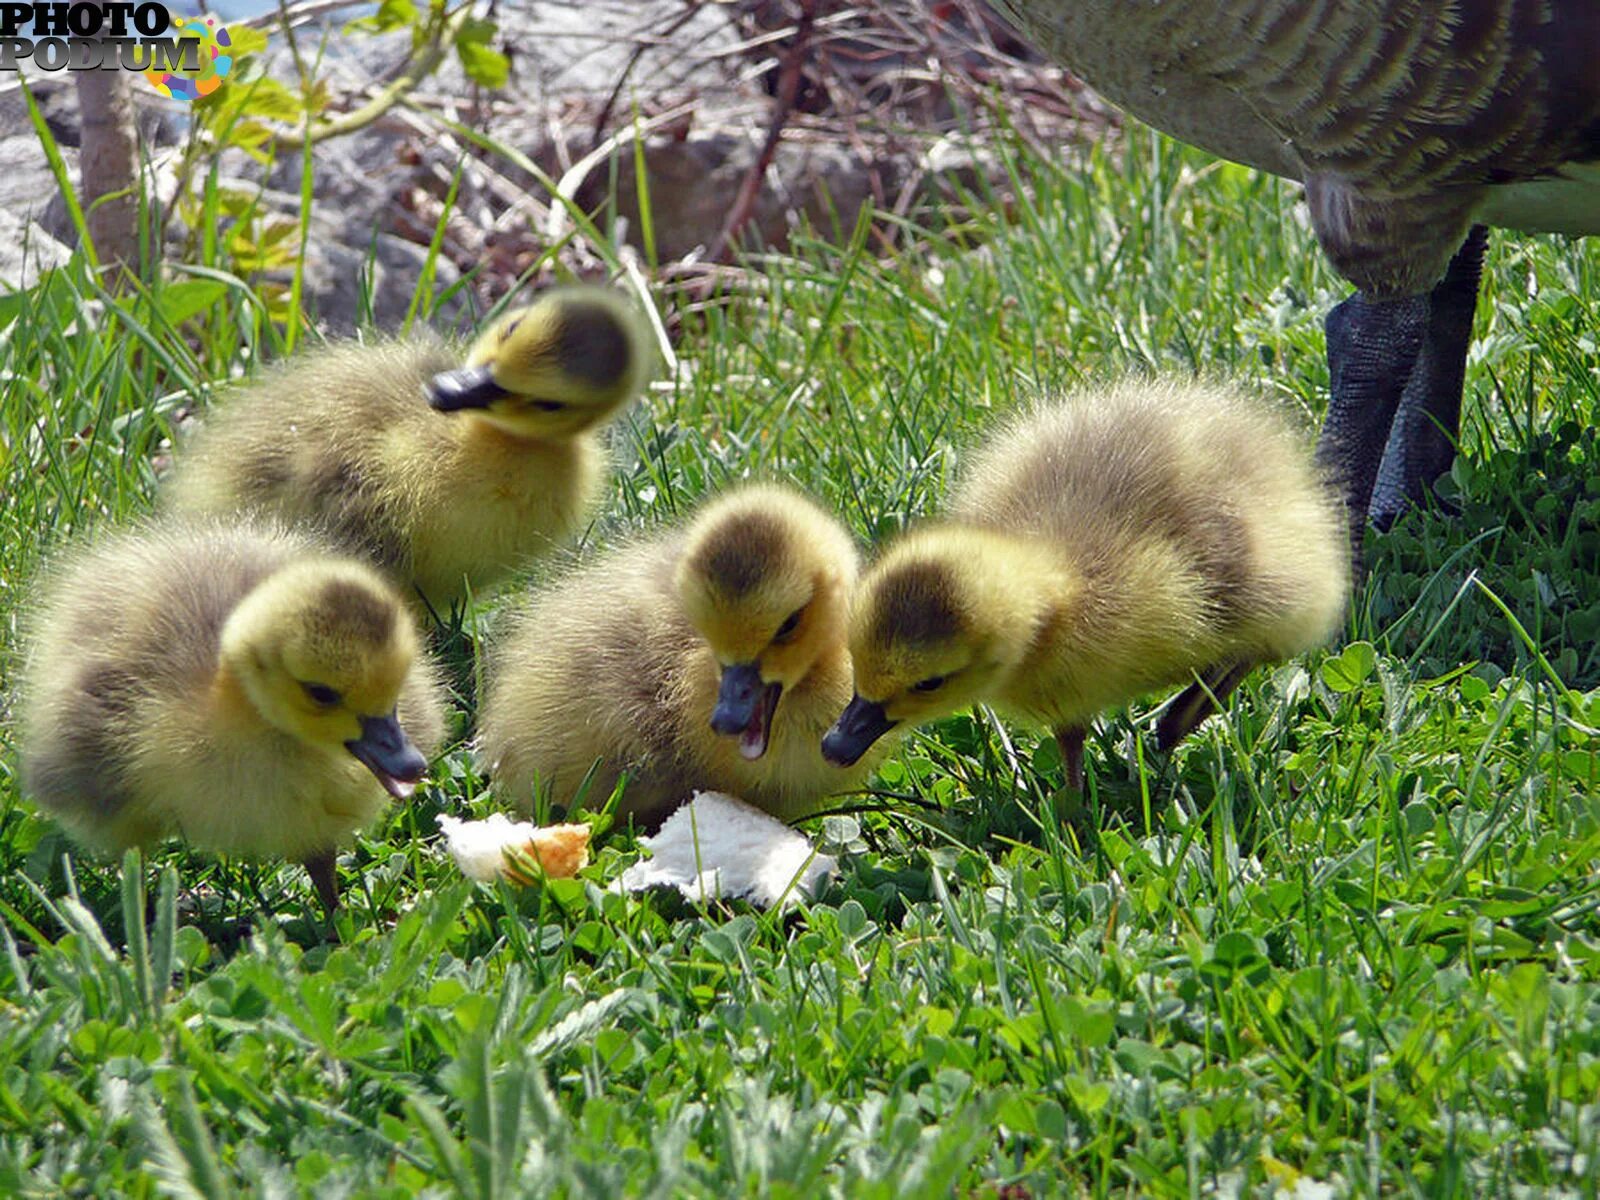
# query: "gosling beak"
{"type": "Point", "coordinates": [465, 387]}
{"type": "Point", "coordinates": [385, 750]}
{"type": "Point", "coordinates": [745, 706]}
{"type": "Point", "coordinates": [859, 725]}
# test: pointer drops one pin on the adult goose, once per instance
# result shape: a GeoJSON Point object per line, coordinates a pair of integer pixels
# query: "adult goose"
{"type": "Point", "coordinates": [1414, 125]}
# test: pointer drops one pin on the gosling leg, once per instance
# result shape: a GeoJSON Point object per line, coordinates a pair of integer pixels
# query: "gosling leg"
{"type": "Point", "coordinates": [1422, 443]}
{"type": "Point", "coordinates": [320, 867]}
{"type": "Point", "coordinates": [1197, 702]}
{"type": "Point", "coordinates": [1071, 739]}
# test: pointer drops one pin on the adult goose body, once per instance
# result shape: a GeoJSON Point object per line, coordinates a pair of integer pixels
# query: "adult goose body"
{"type": "Point", "coordinates": [1414, 125]}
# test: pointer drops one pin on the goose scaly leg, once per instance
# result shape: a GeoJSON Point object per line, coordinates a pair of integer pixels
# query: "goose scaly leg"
{"type": "Point", "coordinates": [1422, 442]}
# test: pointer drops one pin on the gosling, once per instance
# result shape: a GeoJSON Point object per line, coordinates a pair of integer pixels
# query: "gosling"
{"type": "Point", "coordinates": [239, 686]}
{"type": "Point", "coordinates": [447, 476]}
{"type": "Point", "coordinates": [1102, 547]}
{"type": "Point", "coordinates": [709, 658]}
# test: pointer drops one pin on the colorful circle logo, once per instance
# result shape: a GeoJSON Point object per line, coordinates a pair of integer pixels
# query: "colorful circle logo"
{"type": "Point", "coordinates": [216, 60]}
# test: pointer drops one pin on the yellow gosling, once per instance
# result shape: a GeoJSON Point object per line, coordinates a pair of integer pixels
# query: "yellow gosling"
{"type": "Point", "coordinates": [1101, 547]}
{"type": "Point", "coordinates": [710, 658]}
{"type": "Point", "coordinates": [239, 686]}
{"type": "Point", "coordinates": [448, 474]}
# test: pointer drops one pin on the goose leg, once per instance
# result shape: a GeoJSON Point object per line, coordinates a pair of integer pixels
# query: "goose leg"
{"type": "Point", "coordinates": [1071, 739]}
{"type": "Point", "coordinates": [1372, 347]}
{"type": "Point", "coordinates": [320, 867]}
{"type": "Point", "coordinates": [1422, 442]}
{"type": "Point", "coordinates": [1197, 702]}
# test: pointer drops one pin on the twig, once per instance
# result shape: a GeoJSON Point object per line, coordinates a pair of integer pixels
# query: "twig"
{"type": "Point", "coordinates": [640, 46]}
{"type": "Point", "coordinates": [422, 63]}
{"type": "Point", "coordinates": [783, 104]}
{"type": "Point", "coordinates": [573, 177]}
{"type": "Point", "coordinates": [299, 14]}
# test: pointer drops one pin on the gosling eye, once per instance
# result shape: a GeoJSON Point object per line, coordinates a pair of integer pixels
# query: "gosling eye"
{"type": "Point", "coordinates": [790, 624]}
{"type": "Point", "coordinates": [322, 695]}
{"type": "Point", "coordinates": [547, 405]}
{"type": "Point", "coordinates": [511, 327]}
{"type": "Point", "coordinates": [931, 684]}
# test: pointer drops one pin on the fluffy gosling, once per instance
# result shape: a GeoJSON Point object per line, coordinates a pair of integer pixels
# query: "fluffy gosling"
{"type": "Point", "coordinates": [710, 658]}
{"type": "Point", "coordinates": [448, 475]}
{"type": "Point", "coordinates": [1101, 547]}
{"type": "Point", "coordinates": [239, 686]}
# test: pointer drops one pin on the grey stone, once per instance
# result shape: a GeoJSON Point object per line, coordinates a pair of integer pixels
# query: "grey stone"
{"type": "Point", "coordinates": [333, 273]}
{"type": "Point", "coordinates": [26, 252]}
{"type": "Point", "coordinates": [26, 183]}
{"type": "Point", "coordinates": [693, 183]}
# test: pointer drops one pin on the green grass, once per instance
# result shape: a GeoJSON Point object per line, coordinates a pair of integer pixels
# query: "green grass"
{"type": "Point", "coordinates": [1349, 934]}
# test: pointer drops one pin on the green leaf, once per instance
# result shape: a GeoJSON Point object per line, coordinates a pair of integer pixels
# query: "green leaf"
{"type": "Point", "coordinates": [391, 14]}
{"type": "Point", "coordinates": [614, 1048]}
{"type": "Point", "coordinates": [246, 39]}
{"type": "Point", "coordinates": [195, 1141]}
{"type": "Point", "coordinates": [1050, 1119]}
{"type": "Point", "coordinates": [160, 1157]}
{"type": "Point", "coordinates": [852, 919]}
{"type": "Point", "coordinates": [1235, 950]}
{"type": "Point", "coordinates": [483, 64]}
{"type": "Point", "coordinates": [1089, 1097]}
{"type": "Point", "coordinates": [134, 931]}
{"type": "Point", "coordinates": [1351, 668]}
{"type": "Point", "coordinates": [177, 302]}
{"type": "Point", "coordinates": [269, 99]}
{"type": "Point", "coordinates": [447, 1151]}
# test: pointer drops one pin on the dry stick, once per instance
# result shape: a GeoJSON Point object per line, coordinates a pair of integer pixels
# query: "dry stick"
{"type": "Point", "coordinates": [639, 49]}
{"type": "Point", "coordinates": [783, 104]}
{"type": "Point", "coordinates": [299, 14]}
{"type": "Point", "coordinates": [422, 63]}
{"type": "Point", "coordinates": [572, 179]}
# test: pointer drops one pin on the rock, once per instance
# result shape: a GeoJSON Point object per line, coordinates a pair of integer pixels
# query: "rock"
{"type": "Point", "coordinates": [693, 182]}
{"type": "Point", "coordinates": [27, 185]}
{"type": "Point", "coordinates": [26, 251]}
{"type": "Point", "coordinates": [35, 234]}
{"type": "Point", "coordinates": [332, 279]}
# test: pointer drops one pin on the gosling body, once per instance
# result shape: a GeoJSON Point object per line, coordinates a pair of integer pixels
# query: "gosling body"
{"type": "Point", "coordinates": [1102, 547]}
{"type": "Point", "coordinates": [448, 474]}
{"type": "Point", "coordinates": [238, 685]}
{"type": "Point", "coordinates": [626, 666]}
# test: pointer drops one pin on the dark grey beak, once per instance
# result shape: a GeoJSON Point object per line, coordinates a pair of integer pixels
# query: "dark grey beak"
{"type": "Point", "coordinates": [465, 387]}
{"type": "Point", "coordinates": [737, 699]}
{"type": "Point", "coordinates": [385, 750]}
{"type": "Point", "coordinates": [859, 725]}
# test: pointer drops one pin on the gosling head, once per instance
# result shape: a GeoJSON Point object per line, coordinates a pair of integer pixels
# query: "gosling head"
{"type": "Point", "coordinates": [322, 650]}
{"type": "Point", "coordinates": [765, 578]}
{"type": "Point", "coordinates": [553, 369]}
{"type": "Point", "coordinates": [936, 624]}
